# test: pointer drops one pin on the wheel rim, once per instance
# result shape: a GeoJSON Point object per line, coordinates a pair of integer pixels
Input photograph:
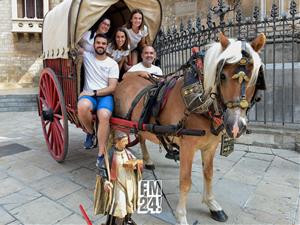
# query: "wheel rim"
{"type": "Point", "coordinates": [53, 115]}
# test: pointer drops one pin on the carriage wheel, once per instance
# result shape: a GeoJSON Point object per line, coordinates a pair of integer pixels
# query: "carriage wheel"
{"type": "Point", "coordinates": [52, 110]}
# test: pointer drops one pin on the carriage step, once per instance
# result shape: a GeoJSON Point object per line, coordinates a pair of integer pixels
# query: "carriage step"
{"type": "Point", "coordinates": [18, 102]}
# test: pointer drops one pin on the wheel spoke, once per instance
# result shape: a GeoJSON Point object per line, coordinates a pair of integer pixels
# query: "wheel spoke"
{"type": "Point", "coordinates": [58, 116]}
{"type": "Point", "coordinates": [59, 126]}
{"type": "Point", "coordinates": [57, 106]}
{"type": "Point", "coordinates": [59, 140]}
{"type": "Point", "coordinates": [46, 123]}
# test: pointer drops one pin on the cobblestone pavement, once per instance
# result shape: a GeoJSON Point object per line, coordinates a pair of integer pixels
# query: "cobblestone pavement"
{"type": "Point", "coordinates": [254, 185]}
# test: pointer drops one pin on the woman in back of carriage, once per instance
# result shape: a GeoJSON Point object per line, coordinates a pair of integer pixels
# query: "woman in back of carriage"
{"type": "Point", "coordinates": [137, 33]}
{"type": "Point", "coordinates": [102, 26]}
{"type": "Point", "coordinates": [118, 49]}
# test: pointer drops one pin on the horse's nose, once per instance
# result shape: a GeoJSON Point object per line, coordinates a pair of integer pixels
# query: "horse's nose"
{"type": "Point", "coordinates": [236, 130]}
{"type": "Point", "coordinates": [235, 124]}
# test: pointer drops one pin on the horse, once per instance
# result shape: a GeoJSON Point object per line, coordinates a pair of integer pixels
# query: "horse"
{"type": "Point", "coordinates": [230, 73]}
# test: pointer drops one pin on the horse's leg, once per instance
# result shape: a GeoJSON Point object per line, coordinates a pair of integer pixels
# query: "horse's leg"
{"type": "Point", "coordinates": [186, 160]}
{"type": "Point", "coordinates": [146, 157]}
{"type": "Point", "coordinates": [216, 210]}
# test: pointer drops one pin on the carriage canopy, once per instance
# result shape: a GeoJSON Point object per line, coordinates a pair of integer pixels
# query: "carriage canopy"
{"type": "Point", "coordinates": [66, 23]}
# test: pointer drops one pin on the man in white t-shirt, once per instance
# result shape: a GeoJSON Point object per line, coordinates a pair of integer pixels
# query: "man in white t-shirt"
{"type": "Point", "coordinates": [100, 81]}
{"type": "Point", "coordinates": [145, 68]}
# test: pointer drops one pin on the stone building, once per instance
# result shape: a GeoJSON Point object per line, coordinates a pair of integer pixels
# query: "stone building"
{"type": "Point", "coordinates": [21, 26]}
{"type": "Point", "coordinates": [20, 40]}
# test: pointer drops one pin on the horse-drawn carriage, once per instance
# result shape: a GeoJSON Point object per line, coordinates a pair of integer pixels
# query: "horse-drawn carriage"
{"type": "Point", "coordinates": [200, 103]}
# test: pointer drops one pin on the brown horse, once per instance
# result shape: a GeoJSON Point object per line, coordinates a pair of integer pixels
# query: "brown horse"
{"type": "Point", "coordinates": [231, 69]}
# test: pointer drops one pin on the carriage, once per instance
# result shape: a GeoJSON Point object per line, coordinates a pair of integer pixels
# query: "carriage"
{"type": "Point", "coordinates": [61, 79]}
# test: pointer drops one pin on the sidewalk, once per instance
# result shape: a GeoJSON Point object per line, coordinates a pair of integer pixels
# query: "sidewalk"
{"type": "Point", "coordinates": [254, 185]}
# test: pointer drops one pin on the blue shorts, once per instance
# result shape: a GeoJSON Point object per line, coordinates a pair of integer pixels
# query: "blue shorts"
{"type": "Point", "coordinates": [101, 102]}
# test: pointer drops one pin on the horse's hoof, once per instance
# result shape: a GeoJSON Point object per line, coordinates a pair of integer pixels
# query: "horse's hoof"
{"type": "Point", "coordinates": [219, 215]}
{"type": "Point", "coordinates": [149, 166]}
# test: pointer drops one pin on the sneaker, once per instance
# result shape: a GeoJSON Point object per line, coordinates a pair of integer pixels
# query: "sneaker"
{"type": "Point", "coordinates": [89, 141]}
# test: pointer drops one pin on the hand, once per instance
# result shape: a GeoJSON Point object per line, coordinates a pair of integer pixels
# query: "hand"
{"type": "Point", "coordinates": [86, 93]}
{"type": "Point", "coordinates": [145, 74]}
{"type": "Point", "coordinates": [108, 186]}
{"type": "Point", "coordinates": [127, 66]}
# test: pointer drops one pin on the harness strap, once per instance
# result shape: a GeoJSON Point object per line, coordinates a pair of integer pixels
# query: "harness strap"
{"type": "Point", "coordinates": [146, 113]}
{"type": "Point", "coordinates": [137, 99]}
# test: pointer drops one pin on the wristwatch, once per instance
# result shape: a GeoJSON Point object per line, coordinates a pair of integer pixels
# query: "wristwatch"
{"type": "Point", "coordinates": [95, 93]}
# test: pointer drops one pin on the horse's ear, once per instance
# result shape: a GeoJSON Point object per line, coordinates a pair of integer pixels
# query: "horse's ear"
{"type": "Point", "coordinates": [223, 40]}
{"type": "Point", "coordinates": [259, 42]}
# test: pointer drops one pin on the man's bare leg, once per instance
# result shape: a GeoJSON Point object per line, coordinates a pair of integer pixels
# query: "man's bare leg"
{"type": "Point", "coordinates": [85, 114]}
{"type": "Point", "coordinates": [103, 129]}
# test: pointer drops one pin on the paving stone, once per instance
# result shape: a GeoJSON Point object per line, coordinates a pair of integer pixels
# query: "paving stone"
{"type": "Point", "coordinates": [5, 217]}
{"type": "Point", "coordinates": [262, 217]}
{"type": "Point", "coordinates": [83, 196]}
{"type": "Point", "coordinates": [283, 172]}
{"type": "Point", "coordinates": [297, 215]}
{"type": "Point", "coordinates": [241, 147]}
{"type": "Point", "coordinates": [22, 197]}
{"type": "Point", "coordinates": [83, 176]}
{"type": "Point", "coordinates": [28, 173]}
{"type": "Point", "coordinates": [278, 192]}
{"type": "Point", "coordinates": [148, 220]}
{"type": "Point", "coordinates": [286, 153]}
{"type": "Point", "coordinates": [9, 161]}
{"type": "Point", "coordinates": [234, 156]}
{"type": "Point", "coordinates": [55, 187]}
{"type": "Point", "coordinates": [223, 165]}
{"type": "Point", "coordinates": [9, 186]}
{"type": "Point", "coordinates": [248, 171]}
{"type": "Point", "coordinates": [73, 219]}
{"type": "Point", "coordinates": [40, 211]}
{"type": "Point", "coordinates": [260, 156]}
{"type": "Point", "coordinates": [245, 218]}
{"type": "Point", "coordinates": [258, 149]}
{"type": "Point", "coordinates": [16, 222]}
{"type": "Point", "coordinates": [293, 159]}
{"type": "Point", "coordinates": [282, 208]}
{"type": "Point", "coordinates": [3, 175]}
{"type": "Point", "coordinates": [233, 191]}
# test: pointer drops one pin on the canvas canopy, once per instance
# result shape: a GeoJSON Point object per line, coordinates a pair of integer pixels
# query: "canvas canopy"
{"type": "Point", "coordinates": [66, 23]}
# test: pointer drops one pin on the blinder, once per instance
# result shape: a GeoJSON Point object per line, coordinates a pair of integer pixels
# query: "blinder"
{"type": "Point", "coordinates": [261, 83]}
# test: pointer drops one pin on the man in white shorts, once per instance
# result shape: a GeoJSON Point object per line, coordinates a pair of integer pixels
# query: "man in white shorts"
{"type": "Point", "coordinates": [100, 81]}
{"type": "Point", "coordinates": [145, 68]}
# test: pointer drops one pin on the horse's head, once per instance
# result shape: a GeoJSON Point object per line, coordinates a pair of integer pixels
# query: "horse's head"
{"type": "Point", "coordinates": [237, 66]}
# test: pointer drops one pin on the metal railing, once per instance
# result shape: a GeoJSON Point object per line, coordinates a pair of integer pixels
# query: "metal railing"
{"type": "Point", "coordinates": [281, 101]}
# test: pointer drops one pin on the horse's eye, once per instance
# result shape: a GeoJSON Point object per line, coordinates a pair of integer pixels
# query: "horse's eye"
{"type": "Point", "coordinates": [222, 76]}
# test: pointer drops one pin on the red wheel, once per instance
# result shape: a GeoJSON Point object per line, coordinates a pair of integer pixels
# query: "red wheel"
{"type": "Point", "coordinates": [52, 110]}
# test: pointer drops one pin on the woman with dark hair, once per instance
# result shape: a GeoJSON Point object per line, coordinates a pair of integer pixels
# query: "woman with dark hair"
{"type": "Point", "coordinates": [137, 33]}
{"type": "Point", "coordinates": [100, 27]}
{"type": "Point", "coordinates": [118, 49]}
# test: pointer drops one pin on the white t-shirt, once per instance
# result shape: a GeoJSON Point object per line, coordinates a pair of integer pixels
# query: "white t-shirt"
{"type": "Point", "coordinates": [135, 38]}
{"type": "Point", "coordinates": [87, 43]}
{"type": "Point", "coordinates": [116, 54]}
{"type": "Point", "coordinates": [97, 72]}
{"type": "Point", "coordinates": [140, 67]}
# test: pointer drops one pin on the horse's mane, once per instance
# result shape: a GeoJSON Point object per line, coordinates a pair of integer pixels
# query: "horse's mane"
{"type": "Point", "coordinates": [232, 54]}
